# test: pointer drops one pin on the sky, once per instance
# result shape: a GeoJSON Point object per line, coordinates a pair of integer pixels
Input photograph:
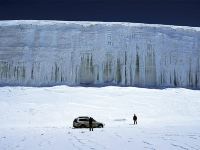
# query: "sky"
{"type": "Point", "coordinates": [172, 12]}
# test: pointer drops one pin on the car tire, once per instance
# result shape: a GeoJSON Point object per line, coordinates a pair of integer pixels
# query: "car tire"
{"type": "Point", "coordinates": [100, 126]}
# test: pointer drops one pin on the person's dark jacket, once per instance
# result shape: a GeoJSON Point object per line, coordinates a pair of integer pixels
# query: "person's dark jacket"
{"type": "Point", "coordinates": [134, 117]}
{"type": "Point", "coordinates": [90, 120]}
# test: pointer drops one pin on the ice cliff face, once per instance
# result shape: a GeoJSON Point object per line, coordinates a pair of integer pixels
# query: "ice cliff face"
{"type": "Point", "coordinates": [43, 53]}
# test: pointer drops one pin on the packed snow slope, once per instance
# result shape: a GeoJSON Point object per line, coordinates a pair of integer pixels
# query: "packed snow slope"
{"type": "Point", "coordinates": [41, 118]}
{"type": "Point", "coordinates": [43, 53]}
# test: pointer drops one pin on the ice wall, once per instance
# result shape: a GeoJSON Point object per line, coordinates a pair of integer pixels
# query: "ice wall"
{"type": "Point", "coordinates": [43, 53]}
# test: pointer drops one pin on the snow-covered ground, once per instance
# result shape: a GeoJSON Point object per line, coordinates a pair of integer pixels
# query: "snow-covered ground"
{"type": "Point", "coordinates": [41, 118]}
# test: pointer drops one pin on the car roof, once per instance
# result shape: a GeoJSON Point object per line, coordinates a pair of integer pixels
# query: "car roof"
{"type": "Point", "coordinates": [83, 117]}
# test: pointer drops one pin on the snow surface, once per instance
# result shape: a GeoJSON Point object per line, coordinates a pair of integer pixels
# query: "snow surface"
{"type": "Point", "coordinates": [44, 53]}
{"type": "Point", "coordinates": [41, 118]}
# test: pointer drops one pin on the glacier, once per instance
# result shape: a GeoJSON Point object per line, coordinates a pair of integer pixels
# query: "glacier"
{"type": "Point", "coordinates": [46, 53]}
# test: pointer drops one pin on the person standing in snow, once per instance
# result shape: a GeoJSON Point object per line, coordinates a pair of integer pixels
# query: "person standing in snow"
{"type": "Point", "coordinates": [135, 119]}
{"type": "Point", "coordinates": [90, 123]}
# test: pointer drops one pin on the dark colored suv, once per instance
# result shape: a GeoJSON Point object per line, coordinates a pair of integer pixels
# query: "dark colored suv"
{"type": "Point", "coordinates": [83, 122]}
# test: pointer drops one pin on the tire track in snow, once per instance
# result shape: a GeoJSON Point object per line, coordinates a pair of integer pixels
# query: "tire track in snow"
{"type": "Point", "coordinates": [180, 146]}
{"type": "Point", "coordinates": [148, 145]}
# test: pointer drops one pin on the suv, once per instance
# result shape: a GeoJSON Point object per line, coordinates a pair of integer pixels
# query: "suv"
{"type": "Point", "coordinates": [83, 122]}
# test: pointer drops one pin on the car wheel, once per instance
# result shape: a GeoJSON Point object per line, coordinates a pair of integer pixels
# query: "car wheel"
{"type": "Point", "coordinates": [100, 126]}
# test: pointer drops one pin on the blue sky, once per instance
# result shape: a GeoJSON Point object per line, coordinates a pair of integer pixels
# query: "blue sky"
{"type": "Point", "coordinates": [177, 12]}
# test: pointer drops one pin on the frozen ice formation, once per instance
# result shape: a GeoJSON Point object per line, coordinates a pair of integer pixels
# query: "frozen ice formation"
{"type": "Point", "coordinates": [45, 53]}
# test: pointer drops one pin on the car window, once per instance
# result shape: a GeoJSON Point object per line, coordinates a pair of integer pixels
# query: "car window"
{"type": "Point", "coordinates": [83, 120]}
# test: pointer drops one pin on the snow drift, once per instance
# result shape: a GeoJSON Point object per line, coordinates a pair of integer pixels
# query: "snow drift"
{"type": "Point", "coordinates": [43, 53]}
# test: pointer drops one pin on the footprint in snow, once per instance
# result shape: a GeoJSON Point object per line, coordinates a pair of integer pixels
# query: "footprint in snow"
{"type": "Point", "coordinates": [23, 139]}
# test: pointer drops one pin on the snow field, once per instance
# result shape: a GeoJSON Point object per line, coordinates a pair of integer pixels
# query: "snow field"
{"type": "Point", "coordinates": [41, 118]}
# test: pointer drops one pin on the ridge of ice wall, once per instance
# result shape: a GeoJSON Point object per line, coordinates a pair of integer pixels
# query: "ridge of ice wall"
{"type": "Point", "coordinates": [44, 53]}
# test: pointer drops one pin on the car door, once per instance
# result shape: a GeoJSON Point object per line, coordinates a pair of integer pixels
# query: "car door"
{"type": "Point", "coordinates": [84, 121]}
